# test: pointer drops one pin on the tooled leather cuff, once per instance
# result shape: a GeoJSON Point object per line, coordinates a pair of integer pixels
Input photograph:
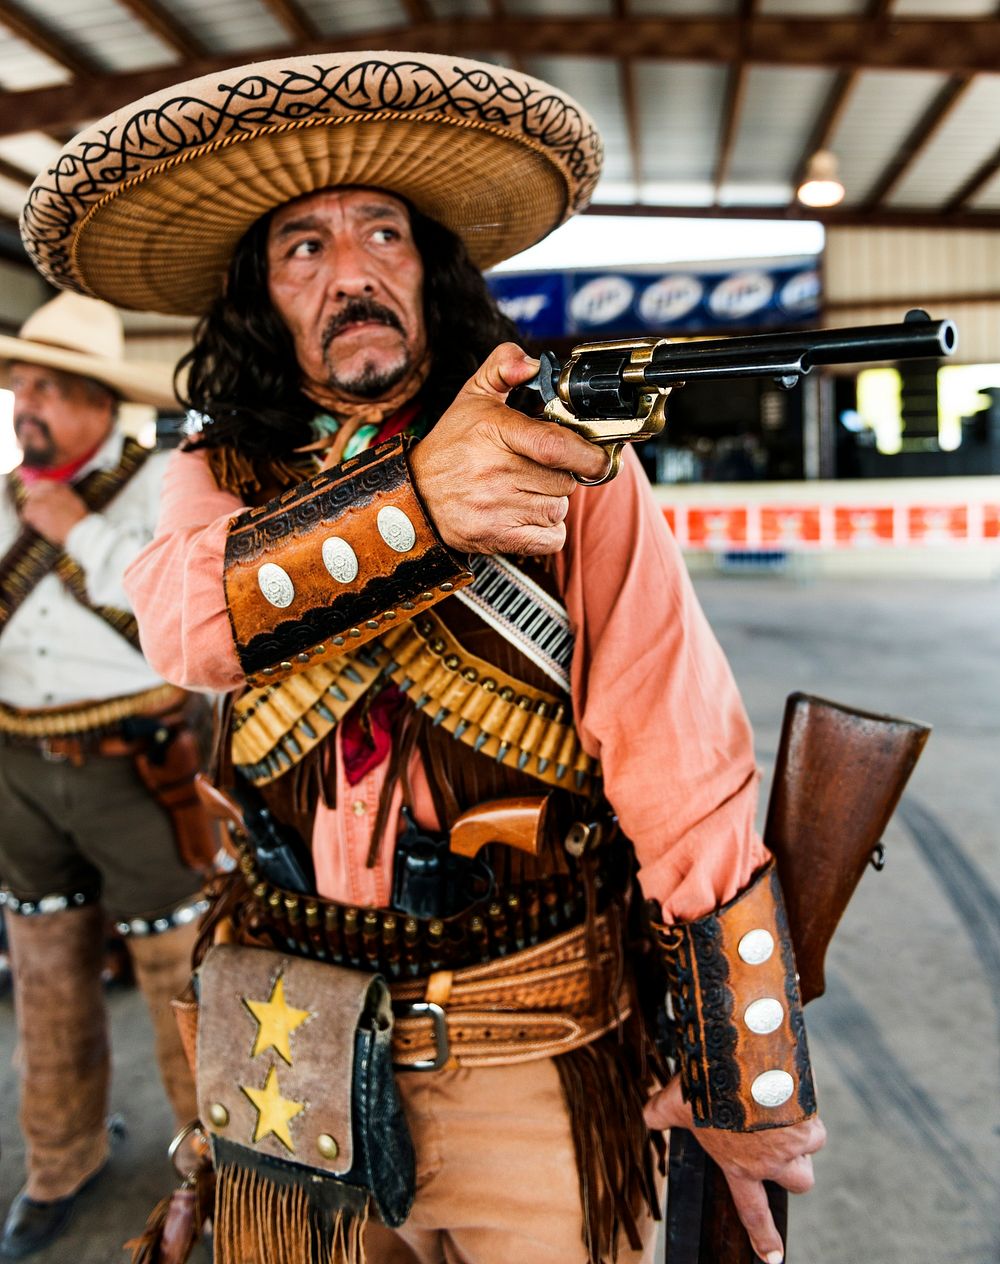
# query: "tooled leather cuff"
{"type": "Point", "coordinates": [741, 1041]}
{"type": "Point", "coordinates": [332, 562]}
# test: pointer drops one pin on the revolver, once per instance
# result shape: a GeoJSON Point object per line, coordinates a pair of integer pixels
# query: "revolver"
{"type": "Point", "coordinates": [613, 393]}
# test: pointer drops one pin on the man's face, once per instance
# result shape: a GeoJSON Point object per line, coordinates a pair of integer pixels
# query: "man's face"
{"type": "Point", "coordinates": [346, 278]}
{"type": "Point", "coordinates": [58, 417]}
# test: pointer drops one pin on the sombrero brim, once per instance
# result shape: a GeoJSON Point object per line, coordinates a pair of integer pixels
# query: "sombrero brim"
{"type": "Point", "coordinates": [136, 383]}
{"type": "Point", "coordinates": [145, 208]}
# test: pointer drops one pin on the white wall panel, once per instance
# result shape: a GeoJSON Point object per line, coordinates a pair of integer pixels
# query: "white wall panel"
{"type": "Point", "coordinates": [922, 267]}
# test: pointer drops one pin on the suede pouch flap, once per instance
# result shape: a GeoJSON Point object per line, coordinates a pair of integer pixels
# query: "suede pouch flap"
{"type": "Point", "coordinates": [276, 1039]}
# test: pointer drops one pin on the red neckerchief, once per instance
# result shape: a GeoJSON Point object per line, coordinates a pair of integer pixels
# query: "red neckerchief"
{"type": "Point", "coordinates": [55, 473]}
{"type": "Point", "coordinates": [366, 730]}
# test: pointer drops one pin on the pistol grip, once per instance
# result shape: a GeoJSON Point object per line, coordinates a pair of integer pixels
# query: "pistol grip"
{"type": "Point", "coordinates": [515, 822]}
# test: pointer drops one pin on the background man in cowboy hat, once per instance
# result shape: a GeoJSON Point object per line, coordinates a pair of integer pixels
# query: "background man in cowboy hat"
{"type": "Point", "coordinates": [82, 837]}
{"type": "Point", "coordinates": [433, 614]}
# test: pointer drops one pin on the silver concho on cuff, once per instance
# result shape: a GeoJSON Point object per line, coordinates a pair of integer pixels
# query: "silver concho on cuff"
{"type": "Point", "coordinates": [772, 1088]}
{"type": "Point", "coordinates": [764, 1016]}
{"type": "Point", "coordinates": [340, 559]}
{"type": "Point", "coordinates": [276, 585]}
{"type": "Point", "coordinates": [756, 946]}
{"type": "Point", "coordinates": [396, 529]}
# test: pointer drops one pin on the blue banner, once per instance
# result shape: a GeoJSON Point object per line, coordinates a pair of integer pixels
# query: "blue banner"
{"type": "Point", "coordinates": [609, 302]}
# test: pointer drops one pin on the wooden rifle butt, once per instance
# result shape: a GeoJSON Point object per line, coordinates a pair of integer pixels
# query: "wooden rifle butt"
{"type": "Point", "coordinates": [838, 776]}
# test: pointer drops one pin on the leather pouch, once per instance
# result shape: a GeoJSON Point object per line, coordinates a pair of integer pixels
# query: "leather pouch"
{"type": "Point", "coordinates": [297, 1096]}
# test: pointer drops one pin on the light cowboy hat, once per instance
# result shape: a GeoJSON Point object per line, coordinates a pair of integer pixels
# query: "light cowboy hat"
{"type": "Point", "coordinates": [85, 336]}
{"type": "Point", "coordinates": [145, 207]}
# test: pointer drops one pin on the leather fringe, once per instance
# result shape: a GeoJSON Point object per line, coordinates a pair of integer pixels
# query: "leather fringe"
{"type": "Point", "coordinates": [615, 1151]}
{"type": "Point", "coordinates": [257, 1219]}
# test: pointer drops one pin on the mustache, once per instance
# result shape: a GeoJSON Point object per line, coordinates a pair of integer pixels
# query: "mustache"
{"type": "Point", "coordinates": [357, 310]}
{"type": "Point", "coordinates": [23, 419]}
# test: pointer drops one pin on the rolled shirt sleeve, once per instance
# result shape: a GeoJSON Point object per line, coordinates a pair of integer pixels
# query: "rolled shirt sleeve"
{"type": "Point", "coordinates": [656, 702]}
{"type": "Point", "coordinates": [175, 584]}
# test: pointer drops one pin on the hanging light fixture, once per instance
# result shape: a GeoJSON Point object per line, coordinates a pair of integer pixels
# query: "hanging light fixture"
{"type": "Point", "coordinates": [820, 185]}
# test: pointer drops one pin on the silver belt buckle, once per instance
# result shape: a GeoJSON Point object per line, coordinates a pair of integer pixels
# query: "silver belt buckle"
{"type": "Point", "coordinates": [422, 1009]}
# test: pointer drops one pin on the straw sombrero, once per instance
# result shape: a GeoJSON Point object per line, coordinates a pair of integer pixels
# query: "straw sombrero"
{"type": "Point", "coordinates": [85, 336]}
{"type": "Point", "coordinates": [145, 208]}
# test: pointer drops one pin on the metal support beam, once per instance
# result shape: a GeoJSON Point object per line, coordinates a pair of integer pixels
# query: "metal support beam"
{"type": "Point", "coordinates": [925, 128]}
{"type": "Point", "coordinates": [732, 107]}
{"type": "Point", "coordinates": [831, 218]}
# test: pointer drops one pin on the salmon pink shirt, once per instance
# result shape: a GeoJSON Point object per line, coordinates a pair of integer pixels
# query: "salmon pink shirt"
{"type": "Point", "coordinates": [653, 695]}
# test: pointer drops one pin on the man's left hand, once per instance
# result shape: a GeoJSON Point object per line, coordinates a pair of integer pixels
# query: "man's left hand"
{"type": "Point", "coordinates": [747, 1160]}
{"type": "Point", "coordinates": [53, 510]}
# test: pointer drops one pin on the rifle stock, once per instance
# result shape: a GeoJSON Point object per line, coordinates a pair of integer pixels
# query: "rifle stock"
{"type": "Point", "coordinates": [838, 777]}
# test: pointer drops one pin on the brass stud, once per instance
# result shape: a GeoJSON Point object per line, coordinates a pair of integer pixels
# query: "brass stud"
{"type": "Point", "coordinates": [326, 1145]}
{"type": "Point", "coordinates": [319, 649]}
{"type": "Point", "coordinates": [447, 587]}
{"type": "Point", "coordinates": [285, 666]}
{"type": "Point", "coordinates": [371, 623]}
{"type": "Point", "coordinates": [302, 658]}
{"type": "Point", "coordinates": [354, 632]}
{"type": "Point", "coordinates": [408, 605]}
{"type": "Point", "coordinates": [427, 596]}
{"type": "Point", "coordinates": [218, 1115]}
{"type": "Point", "coordinates": [389, 614]}
{"type": "Point", "coordinates": [268, 671]}
{"type": "Point", "coordinates": [338, 640]}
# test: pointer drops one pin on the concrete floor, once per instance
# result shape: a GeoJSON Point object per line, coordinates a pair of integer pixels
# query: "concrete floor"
{"type": "Point", "coordinates": [906, 1042]}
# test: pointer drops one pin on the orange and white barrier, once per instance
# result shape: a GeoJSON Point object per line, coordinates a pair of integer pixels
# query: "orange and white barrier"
{"type": "Point", "coordinates": [812, 516]}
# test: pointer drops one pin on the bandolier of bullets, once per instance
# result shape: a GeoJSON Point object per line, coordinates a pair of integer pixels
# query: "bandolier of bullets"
{"type": "Point", "coordinates": [408, 947]}
{"type": "Point", "coordinates": [495, 714]}
{"type": "Point", "coordinates": [276, 726]}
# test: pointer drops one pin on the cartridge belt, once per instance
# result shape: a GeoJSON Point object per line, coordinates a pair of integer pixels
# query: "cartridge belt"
{"type": "Point", "coordinates": [403, 947]}
{"type": "Point", "coordinates": [86, 719]}
{"type": "Point", "coordinates": [537, 1003]}
{"type": "Point", "coordinates": [63, 735]}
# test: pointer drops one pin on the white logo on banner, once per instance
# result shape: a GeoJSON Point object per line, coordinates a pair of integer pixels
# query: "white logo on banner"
{"type": "Point", "coordinates": [741, 295]}
{"type": "Point", "coordinates": [602, 300]}
{"type": "Point", "coordinates": [670, 298]}
{"type": "Point", "coordinates": [800, 292]}
{"type": "Point", "coordinates": [523, 307]}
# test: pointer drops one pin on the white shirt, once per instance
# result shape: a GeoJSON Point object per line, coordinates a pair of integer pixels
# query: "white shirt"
{"type": "Point", "coordinates": [54, 651]}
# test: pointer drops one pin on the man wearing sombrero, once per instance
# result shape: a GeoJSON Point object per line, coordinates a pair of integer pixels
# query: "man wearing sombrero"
{"type": "Point", "coordinates": [86, 728]}
{"type": "Point", "coordinates": [417, 611]}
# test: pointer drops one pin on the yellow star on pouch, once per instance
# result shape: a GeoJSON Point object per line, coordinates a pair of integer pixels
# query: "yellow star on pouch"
{"type": "Point", "coordinates": [276, 1020]}
{"type": "Point", "coordinates": [274, 1112]}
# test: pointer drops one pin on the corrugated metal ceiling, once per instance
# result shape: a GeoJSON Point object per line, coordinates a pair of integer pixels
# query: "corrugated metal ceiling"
{"type": "Point", "coordinates": [722, 124]}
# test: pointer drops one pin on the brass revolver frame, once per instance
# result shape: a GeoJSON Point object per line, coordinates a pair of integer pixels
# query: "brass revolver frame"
{"type": "Point", "coordinates": [612, 434]}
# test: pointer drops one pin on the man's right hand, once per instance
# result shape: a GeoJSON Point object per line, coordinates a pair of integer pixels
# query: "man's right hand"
{"type": "Point", "coordinates": [493, 480]}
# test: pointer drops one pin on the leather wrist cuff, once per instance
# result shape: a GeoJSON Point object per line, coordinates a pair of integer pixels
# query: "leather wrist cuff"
{"type": "Point", "coordinates": [744, 1062]}
{"type": "Point", "coordinates": [331, 563]}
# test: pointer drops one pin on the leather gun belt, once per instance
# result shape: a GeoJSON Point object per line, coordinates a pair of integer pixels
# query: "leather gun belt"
{"type": "Point", "coordinates": [537, 1003]}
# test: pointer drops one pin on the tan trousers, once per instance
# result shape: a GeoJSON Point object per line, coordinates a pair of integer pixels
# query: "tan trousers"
{"type": "Point", "coordinates": [63, 1040]}
{"type": "Point", "coordinates": [496, 1173]}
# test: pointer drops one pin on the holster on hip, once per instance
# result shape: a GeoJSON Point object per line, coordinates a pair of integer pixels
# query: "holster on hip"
{"type": "Point", "coordinates": [166, 766]}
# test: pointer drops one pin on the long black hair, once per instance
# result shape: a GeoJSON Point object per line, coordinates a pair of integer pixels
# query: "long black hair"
{"type": "Point", "coordinates": [243, 375]}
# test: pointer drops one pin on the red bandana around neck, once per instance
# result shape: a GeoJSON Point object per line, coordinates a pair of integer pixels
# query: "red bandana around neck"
{"type": "Point", "coordinates": [55, 473]}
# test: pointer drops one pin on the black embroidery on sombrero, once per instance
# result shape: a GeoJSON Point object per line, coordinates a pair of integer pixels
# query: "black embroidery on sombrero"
{"type": "Point", "coordinates": [256, 102]}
